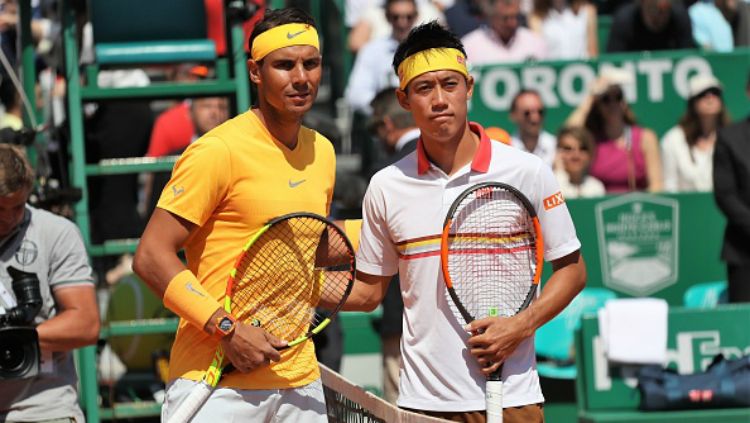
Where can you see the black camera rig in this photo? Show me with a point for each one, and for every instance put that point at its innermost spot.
(19, 344)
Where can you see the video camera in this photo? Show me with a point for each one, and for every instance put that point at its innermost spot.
(19, 344)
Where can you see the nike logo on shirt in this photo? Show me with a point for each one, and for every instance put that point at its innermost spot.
(177, 190)
(290, 35)
(293, 184)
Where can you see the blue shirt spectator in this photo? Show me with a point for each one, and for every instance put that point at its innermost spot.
(710, 29)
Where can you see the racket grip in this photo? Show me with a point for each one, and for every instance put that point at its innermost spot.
(494, 401)
(190, 405)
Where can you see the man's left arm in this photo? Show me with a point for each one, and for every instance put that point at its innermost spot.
(76, 323)
(76, 320)
(495, 339)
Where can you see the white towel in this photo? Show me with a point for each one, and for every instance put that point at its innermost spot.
(634, 330)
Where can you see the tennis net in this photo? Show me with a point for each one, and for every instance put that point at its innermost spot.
(349, 403)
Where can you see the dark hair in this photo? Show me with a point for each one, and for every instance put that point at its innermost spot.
(425, 37)
(521, 93)
(9, 96)
(595, 122)
(690, 121)
(274, 18)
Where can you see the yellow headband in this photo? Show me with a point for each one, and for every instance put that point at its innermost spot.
(430, 60)
(293, 34)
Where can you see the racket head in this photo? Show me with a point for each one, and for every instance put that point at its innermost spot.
(491, 252)
(283, 272)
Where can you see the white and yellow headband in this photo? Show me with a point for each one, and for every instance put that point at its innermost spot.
(430, 60)
(292, 34)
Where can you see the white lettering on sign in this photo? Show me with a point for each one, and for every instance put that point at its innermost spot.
(654, 71)
(488, 88)
(542, 78)
(569, 84)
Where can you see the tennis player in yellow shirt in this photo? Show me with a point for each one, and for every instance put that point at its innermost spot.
(226, 185)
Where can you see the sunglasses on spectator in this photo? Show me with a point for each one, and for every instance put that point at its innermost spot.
(404, 16)
(716, 92)
(527, 113)
(615, 97)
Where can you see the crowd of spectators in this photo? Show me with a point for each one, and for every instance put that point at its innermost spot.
(622, 155)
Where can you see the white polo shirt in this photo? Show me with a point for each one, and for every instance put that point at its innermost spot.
(403, 213)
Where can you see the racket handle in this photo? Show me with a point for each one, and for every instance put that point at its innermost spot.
(494, 401)
(190, 405)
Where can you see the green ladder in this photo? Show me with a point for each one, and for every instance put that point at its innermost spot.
(113, 48)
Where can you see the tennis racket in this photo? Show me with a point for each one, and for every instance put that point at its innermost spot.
(491, 256)
(288, 268)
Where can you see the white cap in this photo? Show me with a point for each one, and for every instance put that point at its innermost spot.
(700, 83)
(611, 77)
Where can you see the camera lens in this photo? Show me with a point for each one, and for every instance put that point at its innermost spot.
(12, 357)
(19, 353)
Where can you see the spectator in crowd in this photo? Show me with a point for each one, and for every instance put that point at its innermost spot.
(375, 23)
(465, 16)
(569, 28)
(627, 156)
(651, 25)
(575, 146)
(737, 13)
(732, 193)
(527, 112)
(173, 128)
(710, 29)
(688, 148)
(51, 248)
(372, 72)
(503, 40)
(393, 126)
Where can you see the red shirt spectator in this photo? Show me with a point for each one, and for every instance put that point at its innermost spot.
(173, 131)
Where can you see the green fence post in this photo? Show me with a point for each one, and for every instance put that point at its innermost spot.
(87, 355)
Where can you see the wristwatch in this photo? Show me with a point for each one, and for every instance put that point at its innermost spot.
(225, 326)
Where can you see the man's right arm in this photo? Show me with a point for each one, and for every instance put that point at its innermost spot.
(157, 263)
(156, 260)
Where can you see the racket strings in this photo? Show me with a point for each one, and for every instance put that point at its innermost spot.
(491, 256)
(283, 275)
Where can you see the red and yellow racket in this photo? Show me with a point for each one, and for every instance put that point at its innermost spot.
(292, 265)
(491, 256)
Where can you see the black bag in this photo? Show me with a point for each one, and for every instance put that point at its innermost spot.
(724, 384)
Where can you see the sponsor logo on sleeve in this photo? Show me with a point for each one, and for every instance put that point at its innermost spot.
(553, 201)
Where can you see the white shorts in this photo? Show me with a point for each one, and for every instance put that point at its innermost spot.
(303, 404)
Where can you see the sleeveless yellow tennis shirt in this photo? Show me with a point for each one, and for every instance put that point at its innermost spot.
(229, 183)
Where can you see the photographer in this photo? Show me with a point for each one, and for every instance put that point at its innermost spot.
(50, 249)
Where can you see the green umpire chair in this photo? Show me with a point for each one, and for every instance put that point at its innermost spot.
(126, 34)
